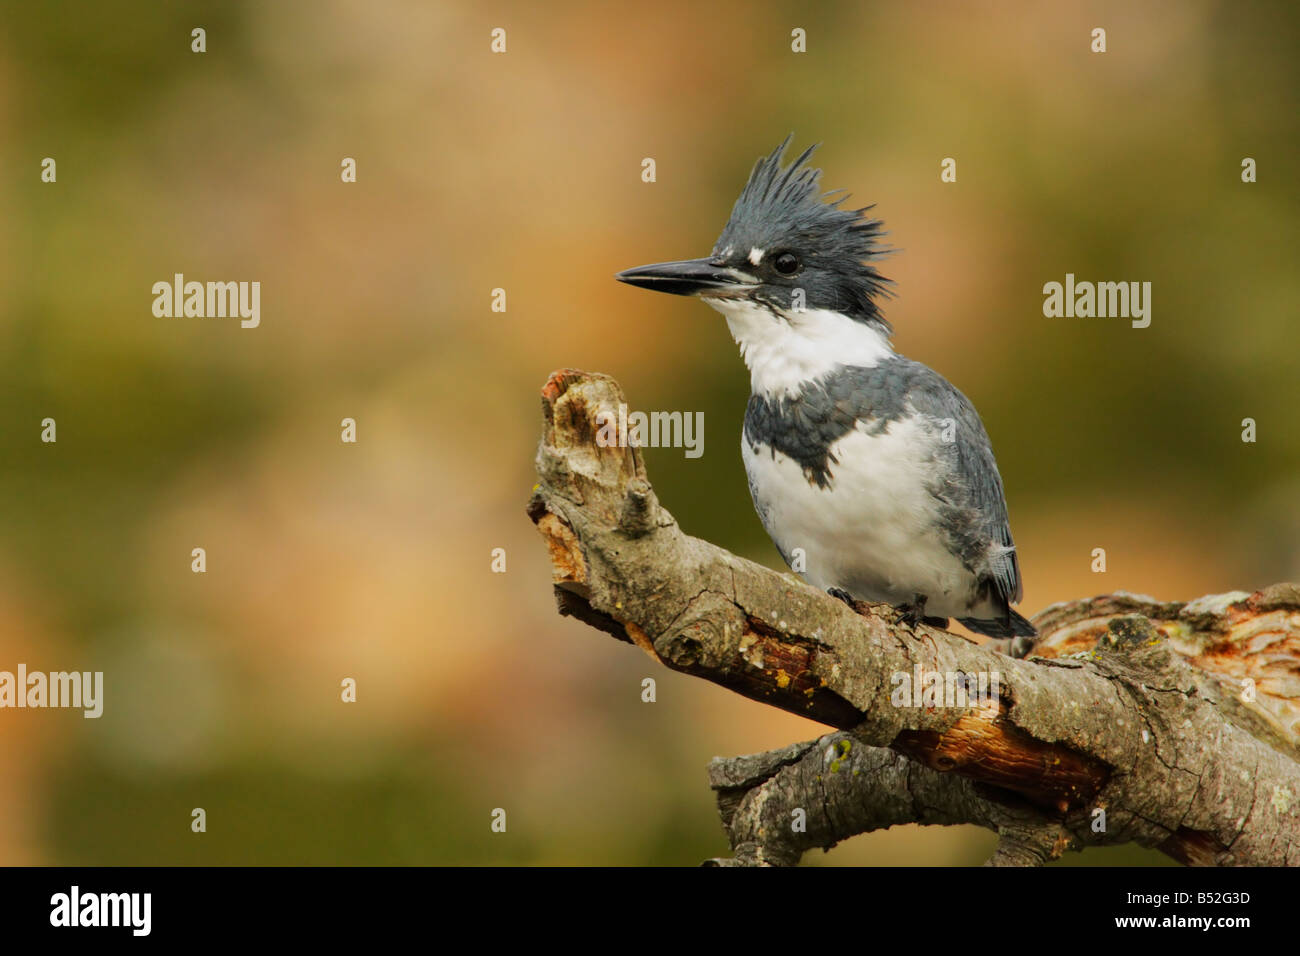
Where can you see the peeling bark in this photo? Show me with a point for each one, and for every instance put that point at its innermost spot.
(1127, 710)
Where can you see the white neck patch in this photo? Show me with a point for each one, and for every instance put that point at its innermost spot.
(782, 353)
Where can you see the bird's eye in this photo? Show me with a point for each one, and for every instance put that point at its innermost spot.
(787, 263)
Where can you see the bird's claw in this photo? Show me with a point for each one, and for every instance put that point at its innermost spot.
(841, 594)
(914, 614)
(858, 607)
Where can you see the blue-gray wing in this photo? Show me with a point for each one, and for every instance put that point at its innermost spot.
(975, 506)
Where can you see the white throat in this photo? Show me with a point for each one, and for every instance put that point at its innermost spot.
(784, 351)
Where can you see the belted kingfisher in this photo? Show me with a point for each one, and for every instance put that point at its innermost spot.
(872, 474)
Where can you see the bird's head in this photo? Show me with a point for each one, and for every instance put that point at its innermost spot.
(788, 247)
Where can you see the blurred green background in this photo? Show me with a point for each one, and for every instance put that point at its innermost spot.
(522, 171)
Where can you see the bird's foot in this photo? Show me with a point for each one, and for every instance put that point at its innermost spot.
(858, 607)
(914, 614)
(841, 594)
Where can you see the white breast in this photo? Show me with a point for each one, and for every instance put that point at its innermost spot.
(874, 532)
(783, 351)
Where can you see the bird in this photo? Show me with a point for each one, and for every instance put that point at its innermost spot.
(872, 474)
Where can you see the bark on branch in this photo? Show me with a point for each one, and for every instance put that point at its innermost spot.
(1167, 724)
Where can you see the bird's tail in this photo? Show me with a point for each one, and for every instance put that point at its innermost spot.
(1014, 626)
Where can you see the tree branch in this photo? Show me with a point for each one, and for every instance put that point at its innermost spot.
(1144, 738)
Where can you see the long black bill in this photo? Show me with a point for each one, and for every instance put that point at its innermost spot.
(689, 277)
